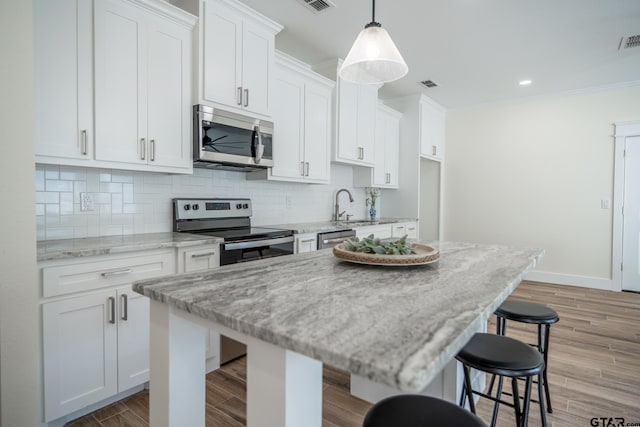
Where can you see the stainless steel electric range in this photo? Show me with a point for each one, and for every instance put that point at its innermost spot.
(230, 219)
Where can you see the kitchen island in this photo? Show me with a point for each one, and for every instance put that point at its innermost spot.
(395, 326)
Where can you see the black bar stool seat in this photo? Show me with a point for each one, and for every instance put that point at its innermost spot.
(532, 313)
(415, 410)
(527, 312)
(506, 357)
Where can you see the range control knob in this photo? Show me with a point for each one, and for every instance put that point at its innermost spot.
(239, 206)
(245, 206)
(187, 207)
(195, 207)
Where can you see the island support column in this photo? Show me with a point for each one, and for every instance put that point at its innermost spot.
(177, 363)
(284, 388)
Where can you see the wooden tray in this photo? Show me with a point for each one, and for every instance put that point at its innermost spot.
(424, 255)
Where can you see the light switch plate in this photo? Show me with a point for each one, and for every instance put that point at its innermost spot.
(605, 204)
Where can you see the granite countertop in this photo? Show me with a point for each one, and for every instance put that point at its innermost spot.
(91, 246)
(319, 226)
(394, 325)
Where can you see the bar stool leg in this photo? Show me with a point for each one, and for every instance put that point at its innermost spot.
(527, 401)
(467, 382)
(496, 405)
(516, 400)
(543, 414)
(544, 371)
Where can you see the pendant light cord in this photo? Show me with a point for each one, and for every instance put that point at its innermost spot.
(373, 22)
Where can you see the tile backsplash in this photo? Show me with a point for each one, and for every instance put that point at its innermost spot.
(126, 202)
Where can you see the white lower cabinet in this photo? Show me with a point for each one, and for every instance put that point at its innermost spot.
(307, 242)
(202, 258)
(387, 231)
(95, 328)
(382, 231)
(95, 346)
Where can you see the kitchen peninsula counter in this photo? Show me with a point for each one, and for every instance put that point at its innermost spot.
(398, 326)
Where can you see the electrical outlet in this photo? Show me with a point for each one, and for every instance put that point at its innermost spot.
(86, 202)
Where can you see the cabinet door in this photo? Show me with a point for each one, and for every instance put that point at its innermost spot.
(367, 108)
(432, 131)
(411, 229)
(222, 45)
(398, 230)
(79, 352)
(133, 338)
(391, 151)
(306, 243)
(168, 86)
(201, 258)
(379, 170)
(317, 132)
(63, 77)
(257, 65)
(347, 137)
(120, 88)
(288, 119)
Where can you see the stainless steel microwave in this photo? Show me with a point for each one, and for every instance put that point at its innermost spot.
(230, 141)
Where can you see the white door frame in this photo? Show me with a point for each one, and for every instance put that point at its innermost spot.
(622, 131)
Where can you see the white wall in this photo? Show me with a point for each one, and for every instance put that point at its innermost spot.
(19, 315)
(135, 202)
(533, 173)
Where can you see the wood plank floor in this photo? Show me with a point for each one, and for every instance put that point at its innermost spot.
(594, 370)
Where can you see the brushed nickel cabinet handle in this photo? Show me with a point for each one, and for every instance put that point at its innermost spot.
(246, 97)
(116, 272)
(202, 255)
(307, 240)
(143, 149)
(301, 168)
(125, 307)
(434, 150)
(307, 165)
(239, 96)
(153, 150)
(84, 141)
(112, 310)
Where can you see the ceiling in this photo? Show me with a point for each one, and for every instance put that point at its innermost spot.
(476, 50)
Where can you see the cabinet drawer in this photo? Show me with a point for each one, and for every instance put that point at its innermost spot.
(85, 276)
(202, 258)
(398, 230)
(412, 231)
(379, 231)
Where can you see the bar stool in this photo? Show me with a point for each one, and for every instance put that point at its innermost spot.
(537, 314)
(505, 357)
(416, 410)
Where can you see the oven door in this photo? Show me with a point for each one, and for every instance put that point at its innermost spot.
(235, 252)
(231, 139)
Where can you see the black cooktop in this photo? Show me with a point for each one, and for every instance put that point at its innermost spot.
(246, 233)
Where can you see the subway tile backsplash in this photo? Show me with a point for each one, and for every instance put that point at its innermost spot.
(138, 202)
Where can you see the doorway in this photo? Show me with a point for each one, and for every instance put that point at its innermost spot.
(626, 230)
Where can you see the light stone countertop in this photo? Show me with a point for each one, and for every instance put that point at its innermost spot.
(320, 226)
(92, 246)
(394, 325)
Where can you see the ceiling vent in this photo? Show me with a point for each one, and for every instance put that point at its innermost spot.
(318, 6)
(629, 42)
(429, 83)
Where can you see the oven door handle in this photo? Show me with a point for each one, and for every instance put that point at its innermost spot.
(256, 243)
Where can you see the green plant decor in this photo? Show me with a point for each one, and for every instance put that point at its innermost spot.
(373, 245)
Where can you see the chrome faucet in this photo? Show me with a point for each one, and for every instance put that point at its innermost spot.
(337, 215)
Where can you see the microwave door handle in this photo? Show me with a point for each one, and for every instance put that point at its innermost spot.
(259, 151)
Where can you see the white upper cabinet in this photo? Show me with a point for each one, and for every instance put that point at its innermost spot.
(63, 80)
(432, 130)
(237, 57)
(302, 114)
(387, 145)
(113, 84)
(142, 87)
(355, 127)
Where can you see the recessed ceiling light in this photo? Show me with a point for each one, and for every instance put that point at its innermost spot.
(525, 82)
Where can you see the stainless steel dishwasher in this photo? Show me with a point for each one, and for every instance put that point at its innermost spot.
(329, 239)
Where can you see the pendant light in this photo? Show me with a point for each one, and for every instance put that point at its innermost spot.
(373, 58)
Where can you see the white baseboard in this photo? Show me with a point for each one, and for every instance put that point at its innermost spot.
(572, 280)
